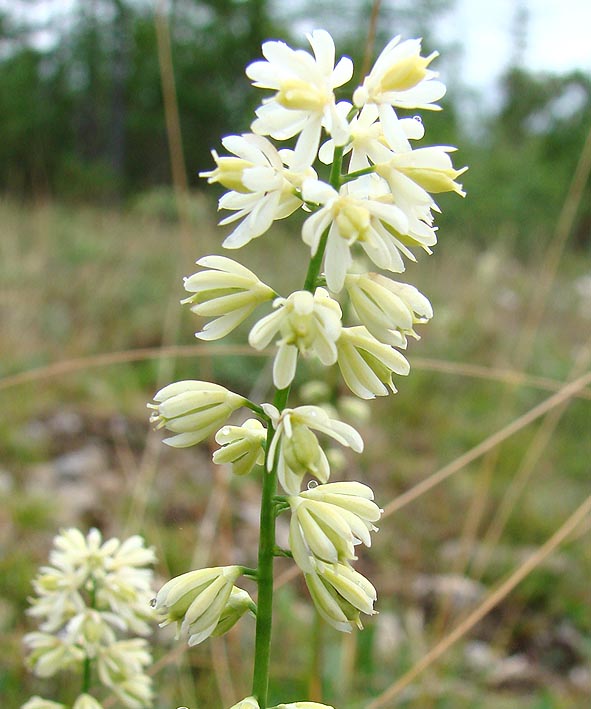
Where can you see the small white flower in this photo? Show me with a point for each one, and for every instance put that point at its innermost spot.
(197, 600)
(304, 100)
(248, 703)
(192, 410)
(295, 448)
(86, 701)
(388, 309)
(352, 217)
(340, 594)
(429, 170)
(37, 702)
(328, 521)
(134, 691)
(49, 654)
(367, 365)
(263, 183)
(227, 291)
(367, 142)
(400, 78)
(121, 667)
(242, 446)
(309, 324)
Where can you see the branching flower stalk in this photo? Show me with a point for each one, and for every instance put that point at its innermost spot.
(376, 206)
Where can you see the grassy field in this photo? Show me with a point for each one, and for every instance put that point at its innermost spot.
(91, 327)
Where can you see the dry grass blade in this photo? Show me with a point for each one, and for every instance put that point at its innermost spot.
(567, 392)
(492, 600)
(526, 469)
(462, 369)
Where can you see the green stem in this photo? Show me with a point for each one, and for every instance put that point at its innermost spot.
(267, 547)
(262, 652)
(316, 260)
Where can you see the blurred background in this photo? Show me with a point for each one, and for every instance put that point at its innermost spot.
(108, 111)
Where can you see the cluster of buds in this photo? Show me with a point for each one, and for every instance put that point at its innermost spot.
(91, 596)
(377, 206)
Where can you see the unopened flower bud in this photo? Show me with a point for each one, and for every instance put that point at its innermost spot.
(328, 521)
(86, 701)
(192, 410)
(248, 703)
(340, 594)
(242, 446)
(37, 702)
(387, 309)
(367, 365)
(228, 292)
(196, 600)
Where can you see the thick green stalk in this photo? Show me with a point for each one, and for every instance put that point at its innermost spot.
(262, 652)
(267, 549)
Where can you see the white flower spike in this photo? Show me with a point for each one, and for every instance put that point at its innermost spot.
(304, 101)
(227, 291)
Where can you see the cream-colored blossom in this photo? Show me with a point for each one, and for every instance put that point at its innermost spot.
(367, 141)
(242, 446)
(428, 169)
(197, 600)
(387, 308)
(263, 183)
(121, 667)
(309, 324)
(227, 291)
(352, 216)
(49, 654)
(94, 590)
(237, 605)
(400, 78)
(134, 691)
(304, 101)
(86, 701)
(123, 658)
(38, 702)
(367, 365)
(327, 522)
(340, 594)
(192, 410)
(296, 450)
(248, 703)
